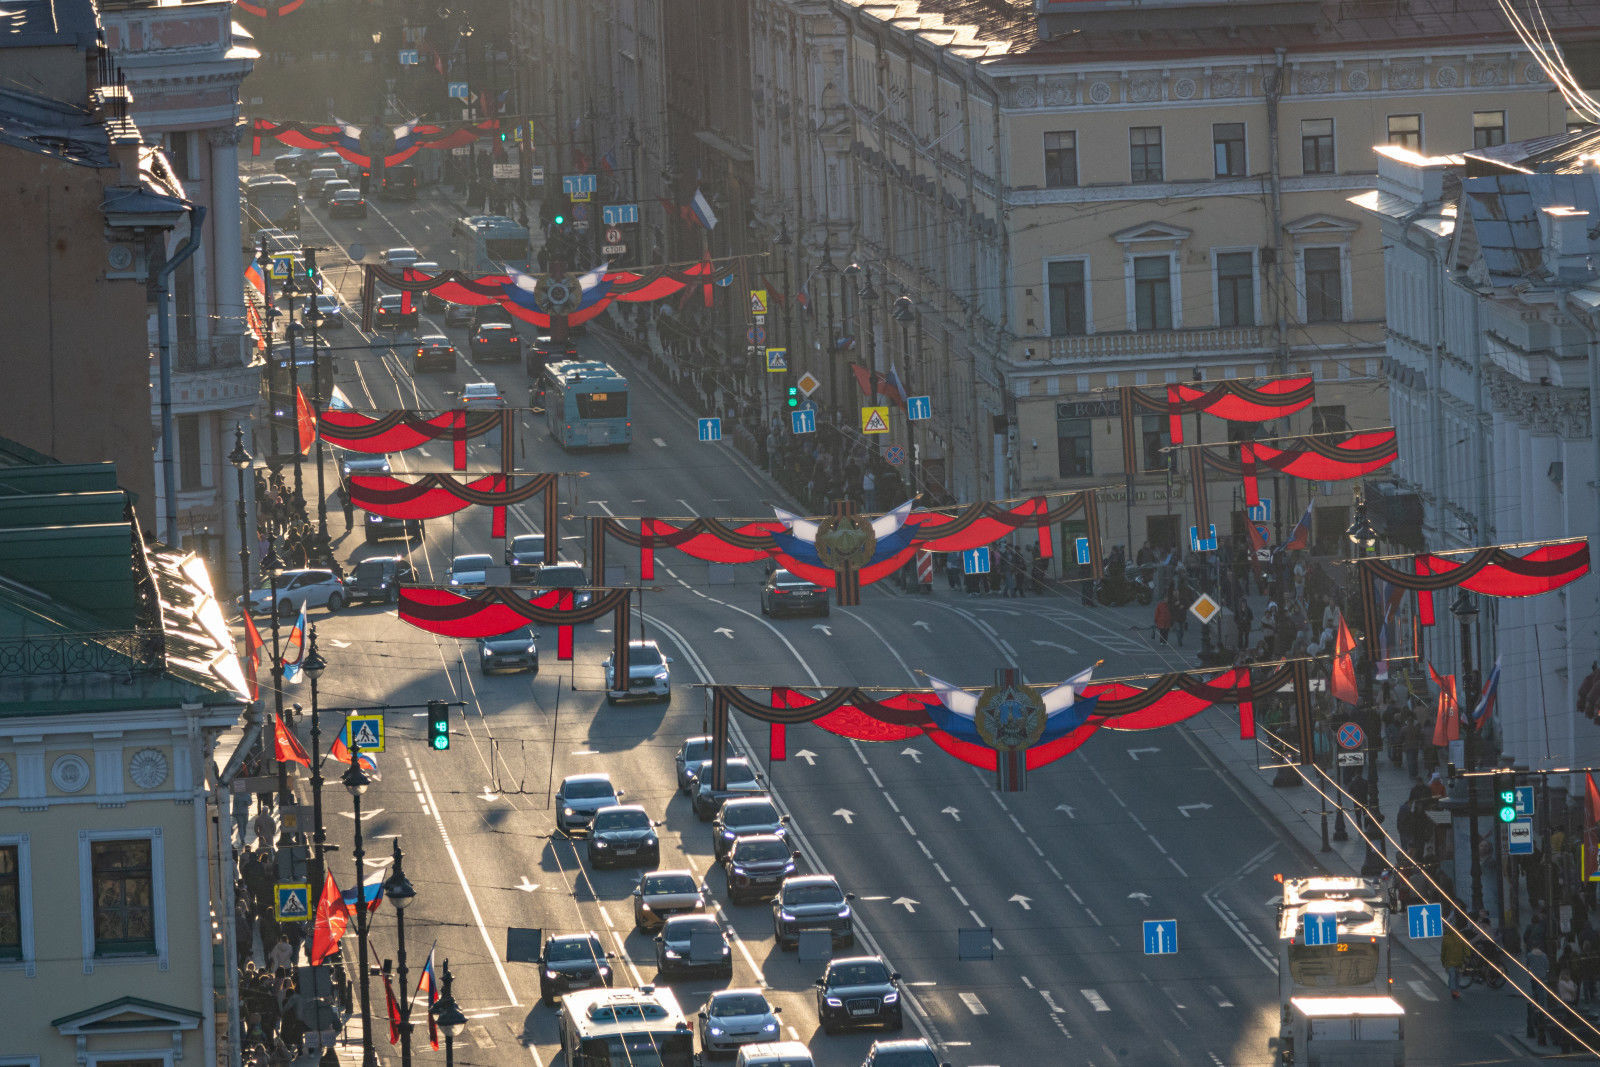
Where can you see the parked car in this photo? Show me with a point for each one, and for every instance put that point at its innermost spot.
(746, 817)
(755, 867)
(497, 342)
(434, 352)
(859, 991)
(784, 593)
(623, 833)
(396, 258)
(311, 587)
(580, 796)
(663, 893)
(739, 779)
(691, 756)
(378, 578)
(515, 651)
(470, 571)
(572, 961)
(691, 943)
(390, 313)
(734, 1017)
(347, 204)
(812, 902)
(375, 528)
(649, 674)
(524, 554)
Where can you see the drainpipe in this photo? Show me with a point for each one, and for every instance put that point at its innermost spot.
(1280, 324)
(169, 431)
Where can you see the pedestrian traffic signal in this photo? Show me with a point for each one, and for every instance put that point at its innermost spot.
(438, 725)
(1507, 790)
(559, 220)
(794, 396)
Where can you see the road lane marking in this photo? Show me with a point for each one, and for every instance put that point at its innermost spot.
(1421, 990)
(1089, 912)
(940, 871)
(974, 1005)
(1176, 864)
(659, 443)
(1156, 843)
(959, 897)
(1050, 1002)
(874, 776)
(907, 824)
(892, 805)
(1025, 981)
(925, 850)
(1096, 1000)
(1222, 998)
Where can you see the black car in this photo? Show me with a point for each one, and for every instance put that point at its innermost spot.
(903, 1052)
(524, 555)
(623, 833)
(515, 651)
(746, 817)
(383, 528)
(496, 342)
(434, 352)
(691, 756)
(757, 866)
(859, 991)
(572, 961)
(544, 349)
(691, 943)
(390, 313)
(812, 902)
(784, 593)
(347, 203)
(378, 578)
(739, 779)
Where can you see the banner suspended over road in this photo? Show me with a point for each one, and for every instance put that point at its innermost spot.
(398, 431)
(360, 144)
(434, 495)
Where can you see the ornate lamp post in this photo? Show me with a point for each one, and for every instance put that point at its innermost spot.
(1363, 542)
(869, 307)
(448, 1016)
(1466, 613)
(272, 565)
(904, 312)
(829, 270)
(356, 781)
(398, 890)
(241, 461)
(314, 665)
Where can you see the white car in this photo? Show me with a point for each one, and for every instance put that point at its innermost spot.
(309, 588)
(734, 1017)
(649, 674)
(400, 257)
(470, 571)
(478, 395)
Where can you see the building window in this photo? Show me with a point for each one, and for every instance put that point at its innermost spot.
(1406, 131)
(1324, 285)
(1061, 159)
(1236, 289)
(1488, 128)
(1316, 146)
(1073, 448)
(1227, 148)
(1069, 315)
(10, 902)
(1152, 292)
(189, 475)
(124, 905)
(1153, 438)
(1144, 153)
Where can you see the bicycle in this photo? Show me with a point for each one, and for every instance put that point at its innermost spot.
(1477, 969)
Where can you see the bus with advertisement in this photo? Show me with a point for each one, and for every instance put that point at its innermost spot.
(642, 1027)
(491, 243)
(586, 404)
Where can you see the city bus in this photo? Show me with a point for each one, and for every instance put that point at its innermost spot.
(271, 201)
(586, 404)
(490, 243)
(641, 1027)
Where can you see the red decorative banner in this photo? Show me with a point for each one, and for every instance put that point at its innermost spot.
(1234, 400)
(433, 495)
(399, 431)
(399, 143)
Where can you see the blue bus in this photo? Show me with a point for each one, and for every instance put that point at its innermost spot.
(490, 243)
(586, 405)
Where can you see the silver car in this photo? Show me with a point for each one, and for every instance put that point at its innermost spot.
(738, 780)
(469, 572)
(308, 588)
(580, 796)
(649, 674)
(734, 1017)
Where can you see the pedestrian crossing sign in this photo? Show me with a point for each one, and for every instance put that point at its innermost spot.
(875, 420)
(293, 901)
(366, 733)
(777, 359)
(758, 301)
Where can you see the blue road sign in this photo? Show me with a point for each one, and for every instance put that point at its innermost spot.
(1083, 550)
(293, 901)
(1160, 937)
(804, 420)
(619, 214)
(1203, 544)
(756, 335)
(580, 184)
(409, 57)
(1262, 512)
(1321, 930)
(1519, 838)
(457, 90)
(1424, 920)
(1351, 736)
(919, 408)
(724, 281)
(975, 560)
(710, 429)
(1524, 802)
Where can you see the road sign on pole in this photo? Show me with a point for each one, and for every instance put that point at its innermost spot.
(1160, 937)
(366, 733)
(975, 560)
(1519, 838)
(803, 420)
(619, 214)
(575, 185)
(1262, 512)
(293, 901)
(457, 90)
(1523, 804)
(875, 419)
(710, 429)
(1424, 920)
(1083, 550)
(1351, 736)
(894, 455)
(808, 383)
(758, 301)
(919, 408)
(777, 360)
(1207, 543)
(1321, 929)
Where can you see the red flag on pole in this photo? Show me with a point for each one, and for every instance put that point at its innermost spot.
(1447, 722)
(305, 420)
(285, 745)
(332, 918)
(1343, 681)
(394, 1011)
(253, 647)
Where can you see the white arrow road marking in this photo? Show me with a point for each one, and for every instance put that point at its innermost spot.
(913, 753)
(806, 754)
(1133, 753)
(336, 643)
(1187, 808)
(974, 1005)
(659, 443)
(526, 886)
(1095, 1000)
(919, 624)
(954, 813)
(371, 813)
(1056, 644)
(724, 631)
(827, 631)
(847, 815)
(1143, 898)
(1063, 807)
(487, 796)
(1421, 990)
(1050, 1002)
(1018, 898)
(907, 903)
(1222, 998)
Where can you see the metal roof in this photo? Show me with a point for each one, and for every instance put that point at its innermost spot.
(1502, 215)
(42, 23)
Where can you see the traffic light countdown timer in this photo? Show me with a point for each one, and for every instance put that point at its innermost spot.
(1506, 789)
(438, 725)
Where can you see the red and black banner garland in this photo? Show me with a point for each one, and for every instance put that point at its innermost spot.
(1317, 458)
(496, 611)
(350, 141)
(399, 431)
(433, 495)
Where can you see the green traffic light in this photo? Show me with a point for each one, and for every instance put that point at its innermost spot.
(1508, 813)
(561, 220)
(794, 397)
(438, 725)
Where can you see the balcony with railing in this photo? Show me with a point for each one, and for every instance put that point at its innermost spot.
(210, 375)
(1221, 341)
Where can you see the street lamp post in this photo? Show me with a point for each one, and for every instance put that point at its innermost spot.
(269, 313)
(398, 890)
(905, 313)
(1466, 612)
(785, 243)
(828, 269)
(869, 307)
(241, 461)
(1363, 542)
(314, 313)
(448, 1016)
(356, 781)
(314, 665)
(272, 564)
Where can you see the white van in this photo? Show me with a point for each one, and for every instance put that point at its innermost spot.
(775, 1054)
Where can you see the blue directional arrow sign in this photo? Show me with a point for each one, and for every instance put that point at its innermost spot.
(1262, 512)
(1083, 550)
(919, 408)
(1160, 937)
(579, 184)
(803, 420)
(619, 214)
(1524, 802)
(1424, 920)
(975, 560)
(457, 90)
(1321, 930)
(1207, 543)
(710, 429)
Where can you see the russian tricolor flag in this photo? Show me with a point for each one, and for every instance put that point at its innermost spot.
(371, 890)
(702, 210)
(349, 136)
(1491, 690)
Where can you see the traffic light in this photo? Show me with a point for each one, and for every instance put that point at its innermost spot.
(559, 220)
(1506, 791)
(438, 725)
(794, 396)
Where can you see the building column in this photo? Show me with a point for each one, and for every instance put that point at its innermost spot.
(228, 270)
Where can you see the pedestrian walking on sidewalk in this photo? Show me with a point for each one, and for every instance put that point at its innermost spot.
(1452, 955)
(1411, 746)
(1163, 619)
(1532, 982)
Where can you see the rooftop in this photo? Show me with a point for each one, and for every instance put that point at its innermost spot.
(46, 23)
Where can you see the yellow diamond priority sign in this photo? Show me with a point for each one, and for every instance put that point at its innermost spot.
(875, 420)
(808, 383)
(1205, 608)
